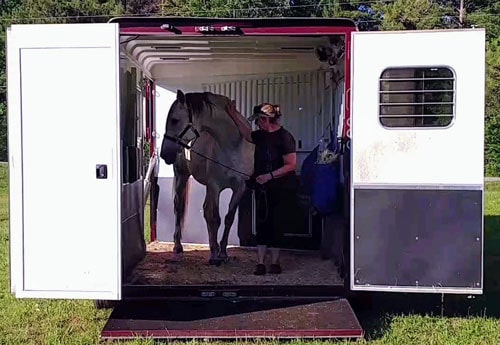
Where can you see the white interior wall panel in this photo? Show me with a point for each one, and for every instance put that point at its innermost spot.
(338, 107)
(305, 98)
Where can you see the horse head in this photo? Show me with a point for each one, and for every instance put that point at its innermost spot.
(180, 132)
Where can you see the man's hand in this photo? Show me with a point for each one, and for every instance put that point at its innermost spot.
(240, 121)
(231, 109)
(261, 179)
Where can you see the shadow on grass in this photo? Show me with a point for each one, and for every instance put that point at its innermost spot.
(375, 310)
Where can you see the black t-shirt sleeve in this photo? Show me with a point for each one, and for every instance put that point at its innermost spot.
(288, 143)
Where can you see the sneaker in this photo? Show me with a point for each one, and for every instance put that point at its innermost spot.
(275, 269)
(260, 270)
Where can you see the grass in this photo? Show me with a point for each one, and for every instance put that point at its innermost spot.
(391, 319)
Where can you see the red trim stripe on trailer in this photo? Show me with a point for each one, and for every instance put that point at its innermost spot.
(152, 197)
(346, 129)
(263, 31)
(147, 112)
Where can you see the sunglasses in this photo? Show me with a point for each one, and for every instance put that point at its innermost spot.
(259, 118)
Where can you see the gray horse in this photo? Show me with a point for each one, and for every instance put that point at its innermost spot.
(199, 122)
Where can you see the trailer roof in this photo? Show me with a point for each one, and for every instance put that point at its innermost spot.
(147, 21)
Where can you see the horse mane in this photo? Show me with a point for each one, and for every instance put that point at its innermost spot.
(198, 100)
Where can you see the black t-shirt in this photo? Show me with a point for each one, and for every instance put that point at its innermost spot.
(270, 148)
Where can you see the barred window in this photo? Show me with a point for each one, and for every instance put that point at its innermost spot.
(417, 97)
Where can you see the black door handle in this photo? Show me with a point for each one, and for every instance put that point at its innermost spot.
(101, 171)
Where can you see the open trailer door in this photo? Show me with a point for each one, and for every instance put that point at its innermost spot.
(417, 161)
(63, 122)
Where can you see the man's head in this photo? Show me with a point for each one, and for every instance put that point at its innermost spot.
(266, 111)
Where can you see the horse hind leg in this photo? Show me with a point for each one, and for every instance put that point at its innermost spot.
(212, 218)
(238, 192)
(180, 184)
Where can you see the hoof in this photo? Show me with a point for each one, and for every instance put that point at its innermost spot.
(176, 257)
(341, 271)
(178, 249)
(214, 262)
(223, 257)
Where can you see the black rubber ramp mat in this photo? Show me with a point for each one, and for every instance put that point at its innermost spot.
(232, 320)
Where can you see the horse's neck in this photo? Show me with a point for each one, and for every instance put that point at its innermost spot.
(220, 125)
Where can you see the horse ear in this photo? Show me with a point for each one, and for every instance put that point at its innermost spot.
(180, 97)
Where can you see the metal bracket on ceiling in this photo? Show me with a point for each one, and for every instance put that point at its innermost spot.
(171, 28)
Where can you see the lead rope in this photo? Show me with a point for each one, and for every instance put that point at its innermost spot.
(262, 191)
(219, 163)
(262, 195)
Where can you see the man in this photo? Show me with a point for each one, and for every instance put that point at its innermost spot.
(275, 161)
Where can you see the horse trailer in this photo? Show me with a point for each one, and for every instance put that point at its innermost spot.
(394, 107)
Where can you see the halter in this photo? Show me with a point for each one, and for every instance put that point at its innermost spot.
(186, 143)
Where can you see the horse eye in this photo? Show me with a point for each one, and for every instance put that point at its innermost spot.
(174, 121)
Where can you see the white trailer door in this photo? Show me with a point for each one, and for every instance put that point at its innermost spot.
(417, 161)
(63, 120)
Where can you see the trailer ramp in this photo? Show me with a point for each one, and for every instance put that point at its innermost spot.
(229, 319)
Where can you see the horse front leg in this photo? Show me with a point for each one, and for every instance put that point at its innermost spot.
(238, 192)
(179, 209)
(212, 218)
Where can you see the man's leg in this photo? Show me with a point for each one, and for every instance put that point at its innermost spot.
(263, 232)
(278, 212)
(261, 253)
(275, 256)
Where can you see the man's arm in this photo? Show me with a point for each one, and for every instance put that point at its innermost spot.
(290, 161)
(240, 121)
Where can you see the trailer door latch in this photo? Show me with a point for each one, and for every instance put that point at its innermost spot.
(101, 171)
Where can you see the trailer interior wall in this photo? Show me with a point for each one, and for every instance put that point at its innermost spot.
(131, 139)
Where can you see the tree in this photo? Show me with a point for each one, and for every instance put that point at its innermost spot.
(413, 15)
(3, 133)
(492, 131)
(5, 11)
(488, 18)
(369, 15)
(143, 7)
(366, 16)
(74, 11)
(45, 11)
(240, 8)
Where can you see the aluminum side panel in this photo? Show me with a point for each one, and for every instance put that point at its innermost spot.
(412, 239)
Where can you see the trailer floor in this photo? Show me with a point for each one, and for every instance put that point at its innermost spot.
(162, 267)
(207, 320)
